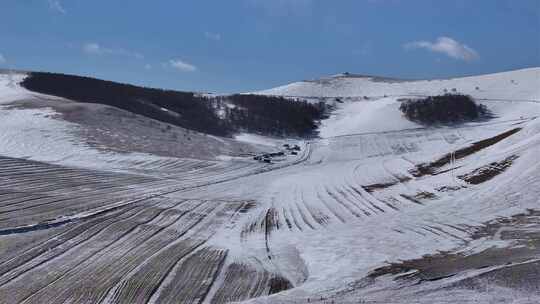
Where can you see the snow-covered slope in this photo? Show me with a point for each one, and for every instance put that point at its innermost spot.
(368, 104)
(516, 85)
(55, 130)
(10, 89)
(378, 210)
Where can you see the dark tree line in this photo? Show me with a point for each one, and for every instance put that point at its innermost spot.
(444, 109)
(186, 109)
(272, 115)
(222, 116)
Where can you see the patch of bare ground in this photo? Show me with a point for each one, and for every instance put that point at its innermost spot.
(419, 197)
(513, 265)
(432, 168)
(246, 207)
(244, 282)
(448, 188)
(379, 186)
(425, 195)
(524, 277)
(279, 284)
(487, 172)
(531, 219)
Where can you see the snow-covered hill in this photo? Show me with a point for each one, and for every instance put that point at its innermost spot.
(377, 210)
(368, 104)
(516, 85)
(55, 130)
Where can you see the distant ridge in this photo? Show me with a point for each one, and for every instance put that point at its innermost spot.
(495, 85)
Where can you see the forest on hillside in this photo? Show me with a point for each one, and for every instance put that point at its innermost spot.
(221, 116)
(444, 109)
(272, 115)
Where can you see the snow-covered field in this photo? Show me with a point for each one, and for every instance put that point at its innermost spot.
(355, 217)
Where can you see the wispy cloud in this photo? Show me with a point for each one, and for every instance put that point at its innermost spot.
(2, 59)
(447, 46)
(181, 65)
(212, 36)
(93, 48)
(282, 7)
(57, 6)
(147, 66)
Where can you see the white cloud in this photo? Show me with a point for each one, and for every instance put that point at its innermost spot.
(182, 65)
(57, 6)
(148, 66)
(2, 59)
(212, 36)
(447, 46)
(93, 48)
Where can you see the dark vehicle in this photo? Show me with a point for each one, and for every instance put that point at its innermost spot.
(296, 148)
(294, 153)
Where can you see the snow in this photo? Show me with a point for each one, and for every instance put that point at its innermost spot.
(256, 139)
(515, 85)
(368, 141)
(509, 95)
(342, 253)
(35, 134)
(365, 116)
(10, 89)
(332, 232)
(40, 135)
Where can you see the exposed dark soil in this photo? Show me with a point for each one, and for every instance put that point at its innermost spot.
(523, 277)
(432, 167)
(425, 195)
(379, 186)
(373, 187)
(412, 198)
(247, 206)
(531, 217)
(448, 188)
(485, 173)
(522, 229)
(279, 284)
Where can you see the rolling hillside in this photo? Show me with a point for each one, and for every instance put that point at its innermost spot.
(377, 209)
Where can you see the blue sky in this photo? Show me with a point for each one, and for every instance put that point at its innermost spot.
(243, 45)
